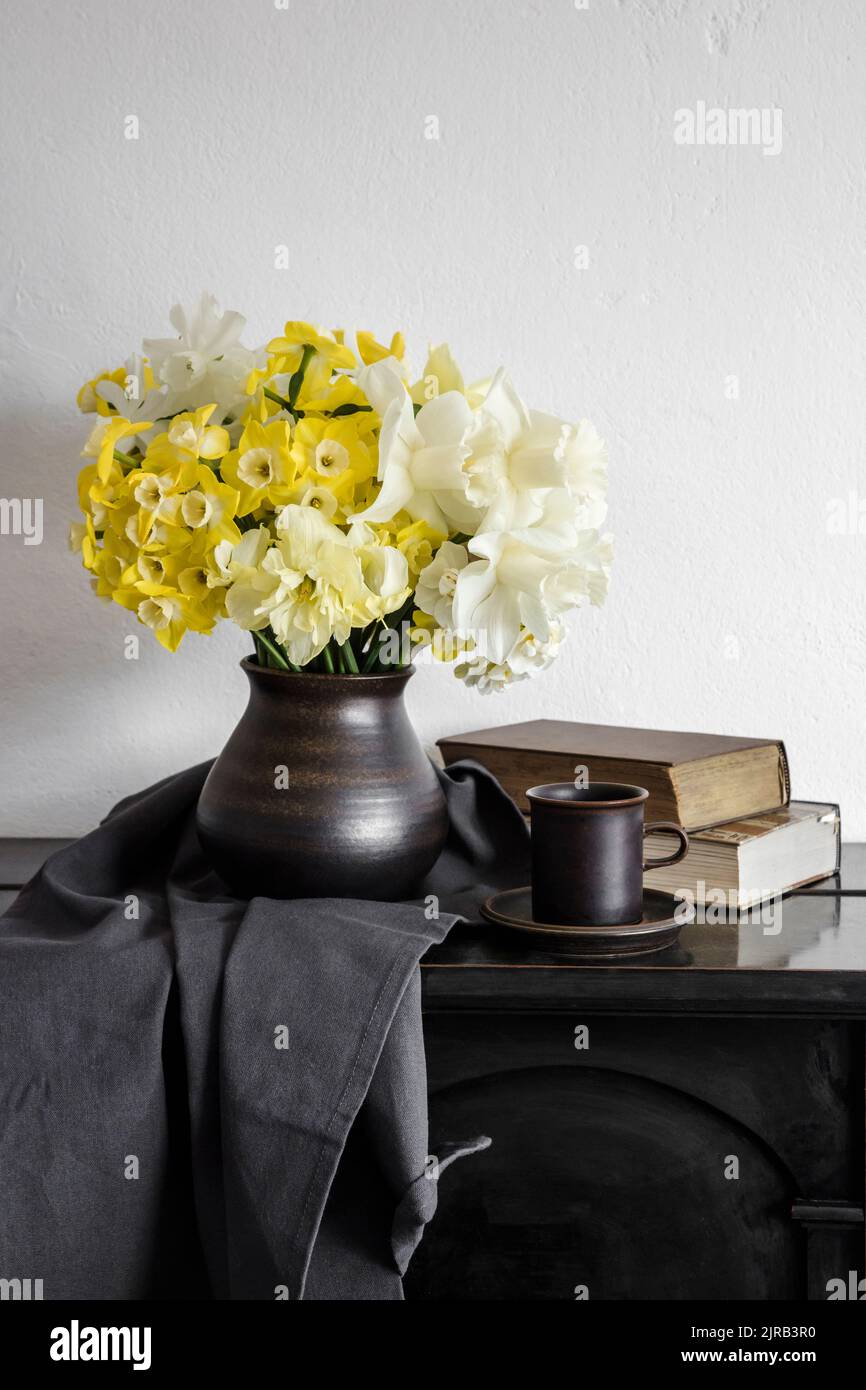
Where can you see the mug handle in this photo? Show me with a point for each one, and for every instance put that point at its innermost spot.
(672, 829)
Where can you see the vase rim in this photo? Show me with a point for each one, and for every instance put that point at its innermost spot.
(248, 665)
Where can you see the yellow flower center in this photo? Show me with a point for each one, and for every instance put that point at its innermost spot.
(156, 613)
(448, 583)
(321, 498)
(196, 509)
(183, 435)
(331, 457)
(150, 491)
(419, 555)
(193, 582)
(255, 468)
(151, 568)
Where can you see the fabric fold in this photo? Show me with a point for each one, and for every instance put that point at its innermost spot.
(208, 1098)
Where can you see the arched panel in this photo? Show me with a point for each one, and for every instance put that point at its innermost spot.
(607, 1180)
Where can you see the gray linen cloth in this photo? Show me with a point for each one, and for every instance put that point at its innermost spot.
(209, 1098)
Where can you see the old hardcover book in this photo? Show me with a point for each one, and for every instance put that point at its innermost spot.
(695, 779)
(746, 862)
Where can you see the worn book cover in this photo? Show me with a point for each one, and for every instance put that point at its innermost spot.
(696, 779)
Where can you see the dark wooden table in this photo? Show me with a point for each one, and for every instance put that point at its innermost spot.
(683, 1125)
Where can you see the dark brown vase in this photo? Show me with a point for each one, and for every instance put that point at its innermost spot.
(323, 790)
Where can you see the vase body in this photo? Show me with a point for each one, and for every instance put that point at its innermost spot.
(323, 790)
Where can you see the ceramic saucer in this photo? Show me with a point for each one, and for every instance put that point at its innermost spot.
(663, 916)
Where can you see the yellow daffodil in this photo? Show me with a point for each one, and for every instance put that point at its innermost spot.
(104, 439)
(260, 375)
(185, 572)
(296, 336)
(166, 611)
(326, 448)
(89, 402)
(82, 540)
(209, 508)
(261, 469)
(156, 496)
(163, 564)
(331, 454)
(320, 496)
(309, 492)
(146, 532)
(342, 398)
(418, 542)
(192, 433)
(441, 373)
(371, 351)
(110, 562)
(194, 583)
(286, 395)
(96, 498)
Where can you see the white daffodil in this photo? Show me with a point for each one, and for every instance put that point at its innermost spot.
(527, 575)
(231, 564)
(499, 593)
(436, 584)
(306, 529)
(585, 575)
(527, 657)
(531, 654)
(385, 572)
(485, 676)
(584, 455)
(307, 610)
(518, 454)
(137, 402)
(206, 362)
(382, 382)
(308, 586)
(421, 464)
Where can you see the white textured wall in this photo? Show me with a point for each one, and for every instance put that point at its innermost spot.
(732, 608)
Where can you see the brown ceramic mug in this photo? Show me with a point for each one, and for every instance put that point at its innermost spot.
(587, 853)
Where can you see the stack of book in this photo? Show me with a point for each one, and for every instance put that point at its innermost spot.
(748, 839)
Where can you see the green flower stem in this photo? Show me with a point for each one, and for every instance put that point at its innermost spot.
(347, 657)
(282, 662)
(279, 400)
(373, 654)
(328, 661)
(394, 623)
(127, 459)
(298, 376)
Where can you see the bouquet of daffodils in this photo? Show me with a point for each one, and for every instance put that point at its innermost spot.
(341, 513)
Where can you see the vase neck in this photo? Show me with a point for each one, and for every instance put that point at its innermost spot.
(318, 685)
